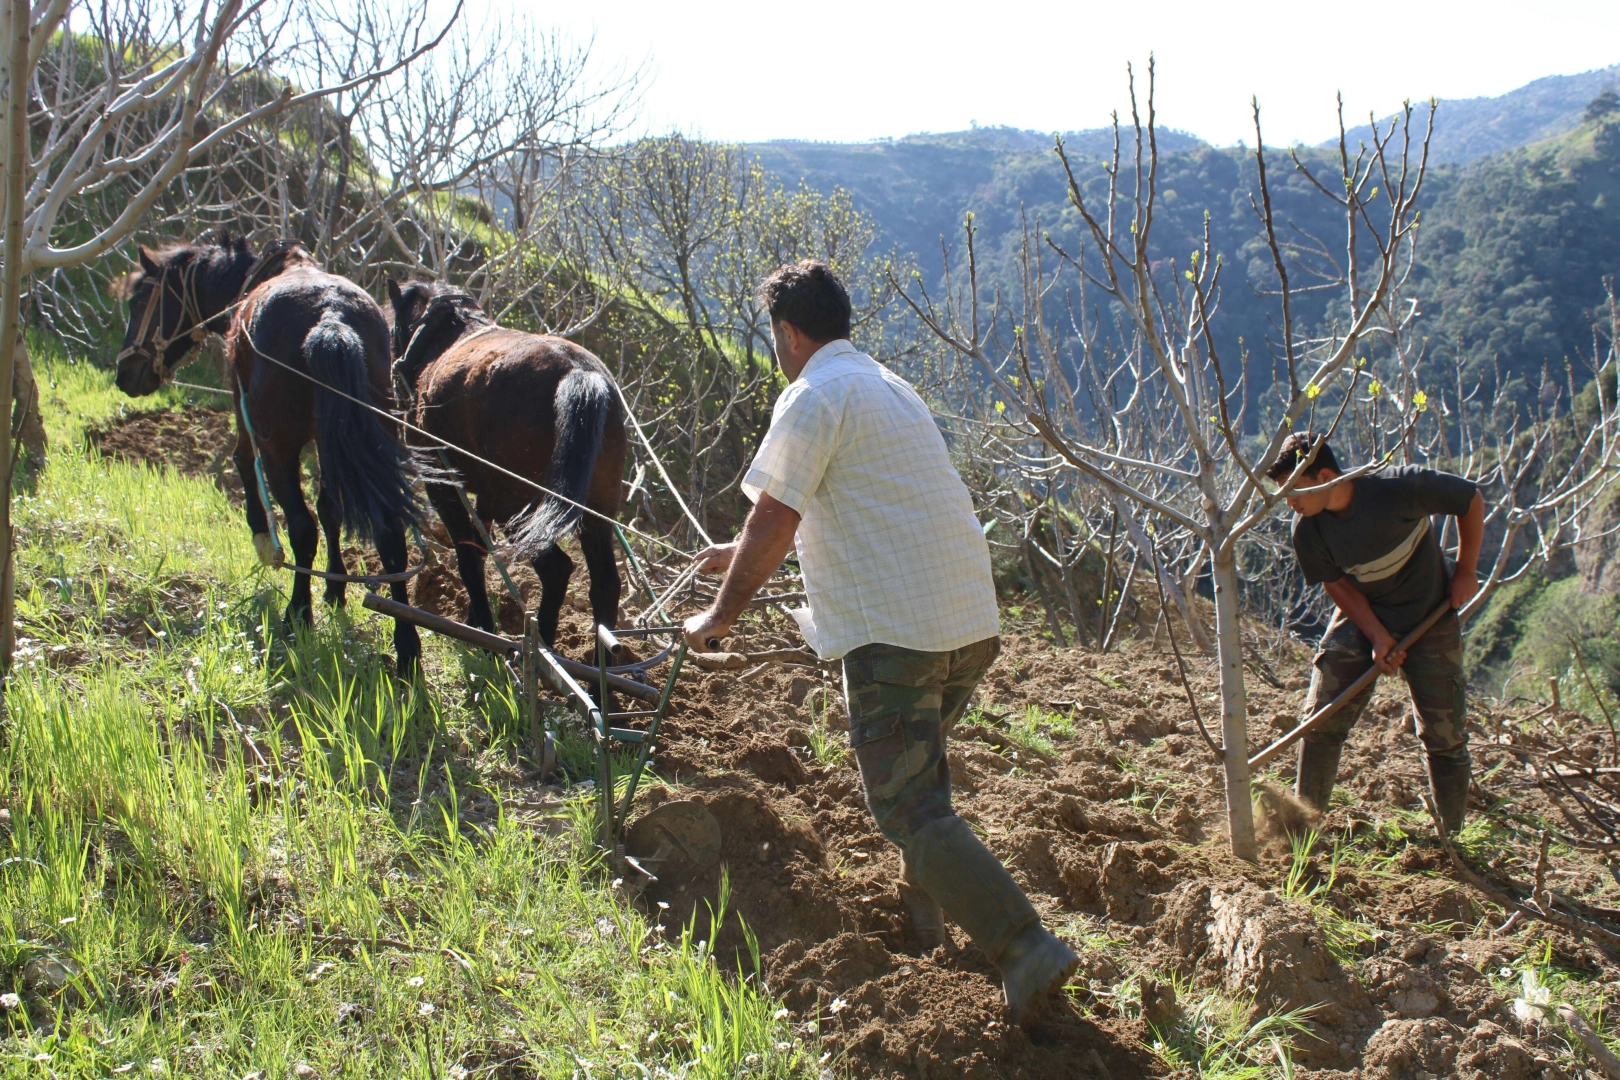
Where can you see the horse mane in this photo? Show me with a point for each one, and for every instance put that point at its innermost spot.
(450, 313)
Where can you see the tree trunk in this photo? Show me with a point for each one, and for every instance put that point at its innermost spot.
(1234, 704)
(27, 424)
(16, 163)
(1144, 547)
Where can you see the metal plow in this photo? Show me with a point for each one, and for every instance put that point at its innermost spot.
(675, 839)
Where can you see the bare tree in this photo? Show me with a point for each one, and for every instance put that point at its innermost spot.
(689, 229)
(1152, 416)
(114, 101)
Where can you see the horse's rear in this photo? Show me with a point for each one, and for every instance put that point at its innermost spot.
(548, 410)
(310, 351)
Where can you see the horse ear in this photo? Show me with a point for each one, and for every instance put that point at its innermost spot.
(147, 262)
(394, 296)
(242, 247)
(122, 287)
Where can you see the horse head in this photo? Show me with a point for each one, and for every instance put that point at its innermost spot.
(428, 318)
(175, 299)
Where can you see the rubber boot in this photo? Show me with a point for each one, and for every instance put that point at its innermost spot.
(927, 917)
(1035, 965)
(1448, 780)
(1318, 769)
(947, 861)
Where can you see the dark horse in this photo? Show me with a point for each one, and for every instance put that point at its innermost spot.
(276, 309)
(540, 406)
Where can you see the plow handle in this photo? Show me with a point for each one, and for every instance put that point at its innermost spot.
(384, 605)
(1347, 695)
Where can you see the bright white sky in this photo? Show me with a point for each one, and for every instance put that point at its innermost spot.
(850, 70)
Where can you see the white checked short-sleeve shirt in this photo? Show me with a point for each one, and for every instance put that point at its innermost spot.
(888, 542)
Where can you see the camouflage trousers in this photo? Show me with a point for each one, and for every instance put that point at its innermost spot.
(1434, 678)
(902, 705)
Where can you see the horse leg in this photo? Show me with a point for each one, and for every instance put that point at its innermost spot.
(469, 552)
(302, 534)
(553, 567)
(326, 508)
(258, 517)
(596, 544)
(407, 644)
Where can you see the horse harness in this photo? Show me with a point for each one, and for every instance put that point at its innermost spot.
(269, 262)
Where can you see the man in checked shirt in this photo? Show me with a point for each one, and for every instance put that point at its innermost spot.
(855, 474)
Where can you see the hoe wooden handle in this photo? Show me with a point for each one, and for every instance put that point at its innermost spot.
(1347, 695)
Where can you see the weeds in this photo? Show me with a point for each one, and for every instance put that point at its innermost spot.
(1218, 1037)
(827, 743)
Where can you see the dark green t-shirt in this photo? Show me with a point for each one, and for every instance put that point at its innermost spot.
(1386, 543)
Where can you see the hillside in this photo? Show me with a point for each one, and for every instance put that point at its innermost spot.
(917, 188)
(1467, 129)
(1511, 262)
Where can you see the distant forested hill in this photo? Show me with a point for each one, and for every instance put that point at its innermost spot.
(1467, 129)
(1513, 251)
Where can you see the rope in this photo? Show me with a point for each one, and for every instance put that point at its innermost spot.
(659, 465)
(199, 386)
(258, 472)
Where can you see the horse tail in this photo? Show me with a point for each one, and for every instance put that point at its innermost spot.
(364, 467)
(583, 402)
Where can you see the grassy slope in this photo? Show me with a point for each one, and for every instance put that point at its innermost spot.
(208, 831)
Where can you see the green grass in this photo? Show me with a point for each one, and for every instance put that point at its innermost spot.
(1034, 727)
(226, 852)
(1216, 1036)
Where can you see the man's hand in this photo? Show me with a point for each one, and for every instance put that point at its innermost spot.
(716, 558)
(1385, 655)
(705, 629)
(1464, 584)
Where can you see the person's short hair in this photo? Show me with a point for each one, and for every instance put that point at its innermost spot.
(810, 296)
(1295, 449)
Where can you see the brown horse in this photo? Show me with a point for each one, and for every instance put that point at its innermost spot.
(540, 406)
(293, 330)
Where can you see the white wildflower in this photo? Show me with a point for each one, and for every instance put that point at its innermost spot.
(779, 1014)
(425, 1009)
(10, 1001)
(838, 1006)
(414, 981)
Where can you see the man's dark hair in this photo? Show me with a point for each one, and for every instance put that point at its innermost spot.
(1296, 448)
(810, 296)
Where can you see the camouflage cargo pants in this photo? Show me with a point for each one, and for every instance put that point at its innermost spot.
(1433, 673)
(902, 704)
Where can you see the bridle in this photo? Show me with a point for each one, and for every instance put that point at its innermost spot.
(154, 344)
(267, 264)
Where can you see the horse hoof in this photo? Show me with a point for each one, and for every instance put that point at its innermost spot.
(269, 552)
(336, 598)
(408, 667)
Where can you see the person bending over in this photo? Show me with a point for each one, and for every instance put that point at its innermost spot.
(855, 474)
(1371, 543)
